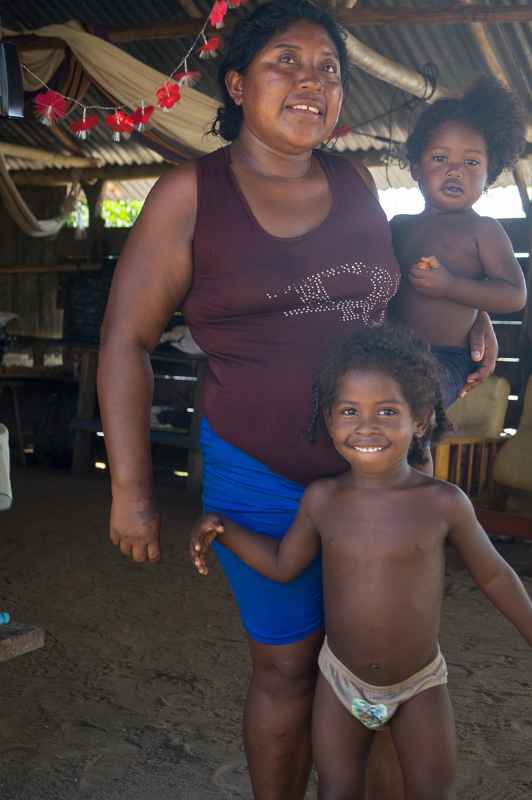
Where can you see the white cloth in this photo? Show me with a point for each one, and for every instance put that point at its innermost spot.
(131, 81)
(21, 213)
(6, 493)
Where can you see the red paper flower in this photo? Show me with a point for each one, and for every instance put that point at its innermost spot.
(168, 95)
(140, 117)
(49, 107)
(83, 126)
(119, 122)
(341, 130)
(187, 78)
(210, 48)
(218, 12)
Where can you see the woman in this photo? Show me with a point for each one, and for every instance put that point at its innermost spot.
(271, 248)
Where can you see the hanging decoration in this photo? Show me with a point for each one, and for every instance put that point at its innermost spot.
(141, 116)
(84, 125)
(187, 77)
(210, 47)
(217, 15)
(120, 123)
(168, 95)
(50, 106)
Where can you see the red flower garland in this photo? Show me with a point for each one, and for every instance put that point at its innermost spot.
(140, 117)
(119, 122)
(168, 95)
(218, 12)
(83, 126)
(210, 47)
(49, 107)
(188, 77)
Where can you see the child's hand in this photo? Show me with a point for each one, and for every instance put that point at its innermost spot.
(429, 276)
(206, 529)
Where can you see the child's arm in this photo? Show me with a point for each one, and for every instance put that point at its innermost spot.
(281, 560)
(489, 570)
(502, 290)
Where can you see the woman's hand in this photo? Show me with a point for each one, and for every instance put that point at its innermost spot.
(135, 528)
(205, 530)
(484, 349)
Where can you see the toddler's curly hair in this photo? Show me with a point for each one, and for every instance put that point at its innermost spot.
(487, 107)
(393, 350)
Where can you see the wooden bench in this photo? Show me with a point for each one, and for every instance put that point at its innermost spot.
(17, 639)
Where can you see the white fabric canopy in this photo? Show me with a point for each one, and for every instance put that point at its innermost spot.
(22, 214)
(131, 81)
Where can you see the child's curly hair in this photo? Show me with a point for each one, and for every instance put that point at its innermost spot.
(487, 107)
(394, 351)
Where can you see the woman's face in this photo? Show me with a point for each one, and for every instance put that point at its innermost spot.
(291, 93)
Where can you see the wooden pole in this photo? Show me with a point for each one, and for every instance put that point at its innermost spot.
(57, 177)
(53, 159)
(494, 65)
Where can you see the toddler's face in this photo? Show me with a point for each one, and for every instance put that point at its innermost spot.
(453, 168)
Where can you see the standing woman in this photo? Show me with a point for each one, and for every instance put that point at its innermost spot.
(272, 249)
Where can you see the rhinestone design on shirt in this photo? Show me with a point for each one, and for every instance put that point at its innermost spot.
(313, 297)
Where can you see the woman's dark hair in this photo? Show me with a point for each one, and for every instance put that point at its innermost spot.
(394, 351)
(488, 108)
(251, 34)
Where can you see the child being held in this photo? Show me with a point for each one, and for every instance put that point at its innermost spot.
(382, 528)
(454, 262)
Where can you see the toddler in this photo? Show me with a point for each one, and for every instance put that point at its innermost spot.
(453, 261)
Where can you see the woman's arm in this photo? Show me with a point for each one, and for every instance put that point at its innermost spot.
(151, 279)
(484, 349)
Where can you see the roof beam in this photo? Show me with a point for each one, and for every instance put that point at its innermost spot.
(49, 157)
(50, 177)
(350, 17)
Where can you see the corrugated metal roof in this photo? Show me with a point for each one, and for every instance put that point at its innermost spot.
(452, 49)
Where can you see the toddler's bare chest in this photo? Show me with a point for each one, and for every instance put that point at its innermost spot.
(454, 245)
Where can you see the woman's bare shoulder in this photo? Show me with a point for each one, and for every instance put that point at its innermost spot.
(171, 204)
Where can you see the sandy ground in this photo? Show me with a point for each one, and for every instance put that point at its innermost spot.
(138, 692)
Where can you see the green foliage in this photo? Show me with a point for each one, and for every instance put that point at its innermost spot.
(115, 213)
(120, 213)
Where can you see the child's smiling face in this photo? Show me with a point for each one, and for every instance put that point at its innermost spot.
(453, 168)
(370, 422)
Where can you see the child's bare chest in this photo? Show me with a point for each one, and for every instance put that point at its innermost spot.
(452, 240)
(376, 535)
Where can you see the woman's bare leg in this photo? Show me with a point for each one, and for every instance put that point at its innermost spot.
(277, 718)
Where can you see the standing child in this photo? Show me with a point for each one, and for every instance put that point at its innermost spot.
(453, 261)
(382, 528)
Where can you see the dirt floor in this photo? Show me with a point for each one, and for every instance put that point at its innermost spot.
(138, 692)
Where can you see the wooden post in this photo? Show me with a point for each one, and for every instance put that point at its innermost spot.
(83, 440)
(93, 193)
(525, 348)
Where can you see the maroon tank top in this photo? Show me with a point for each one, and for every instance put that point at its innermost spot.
(265, 310)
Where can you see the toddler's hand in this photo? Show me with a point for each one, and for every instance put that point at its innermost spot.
(205, 530)
(429, 276)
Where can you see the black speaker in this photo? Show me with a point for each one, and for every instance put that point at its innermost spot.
(11, 89)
